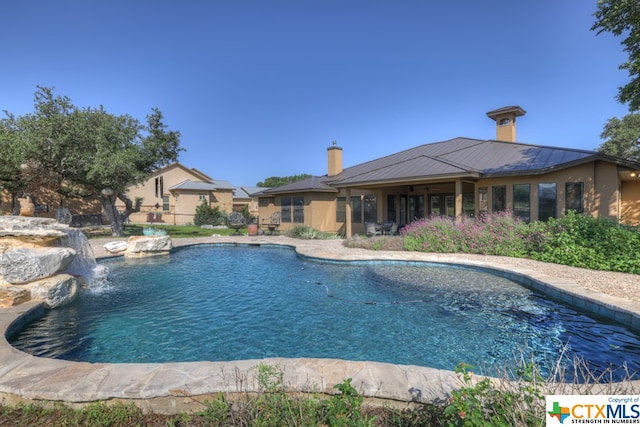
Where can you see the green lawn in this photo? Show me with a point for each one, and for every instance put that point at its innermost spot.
(172, 230)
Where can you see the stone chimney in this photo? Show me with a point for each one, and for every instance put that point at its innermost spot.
(334, 157)
(505, 118)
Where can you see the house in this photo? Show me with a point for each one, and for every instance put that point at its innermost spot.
(50, 204)
(172, 194)
(460, 176)
(243, 197)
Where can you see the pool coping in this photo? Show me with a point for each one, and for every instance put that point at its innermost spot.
(184, 386)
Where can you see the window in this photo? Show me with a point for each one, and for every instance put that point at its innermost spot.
(440, 204)
(263, 201)
(202, 197)
(522, 201)
(483, 200)
(391, 208)
(285, 209)
(165, 203)
(370, 208)
(416, 207)
(298, 209)
(450, 205)
(504, 122)
(356, 209)
(341, 209)
(403, 210)
(434, 205)
(573, 196)
(498, 198)
(467, 204)
(547, 201)
(159, 186)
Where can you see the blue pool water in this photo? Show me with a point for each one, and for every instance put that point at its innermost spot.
(226, 302)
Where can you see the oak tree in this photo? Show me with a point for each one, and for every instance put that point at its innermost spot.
(89, 153)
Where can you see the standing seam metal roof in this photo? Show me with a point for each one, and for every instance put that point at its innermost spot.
(458, 157)
(462, 156)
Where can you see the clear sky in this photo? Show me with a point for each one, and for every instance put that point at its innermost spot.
(261, 88)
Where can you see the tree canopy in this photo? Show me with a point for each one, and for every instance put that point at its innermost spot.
(622, 137)
(83, 152)
(622, 18)
(277, 181)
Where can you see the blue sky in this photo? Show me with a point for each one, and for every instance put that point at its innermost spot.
(262, 88)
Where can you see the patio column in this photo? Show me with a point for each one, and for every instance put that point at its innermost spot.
(458, 201)
(348, 214)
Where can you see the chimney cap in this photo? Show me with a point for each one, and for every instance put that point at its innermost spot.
(334, 146)
(514, 109)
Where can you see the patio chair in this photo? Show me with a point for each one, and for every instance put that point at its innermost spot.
(236, 221)
(272, 223)
(386, 227)
(394, 229)
(371, 229)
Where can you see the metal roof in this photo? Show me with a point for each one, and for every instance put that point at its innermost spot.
(455, 158)
(253, 190)
(202, 186)
(311, 184)
(223, 185)
(463, 157)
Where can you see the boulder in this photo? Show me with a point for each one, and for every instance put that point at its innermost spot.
(13, 295)
(115, 247)
(55, 291)
(24, 265)
(142, 246)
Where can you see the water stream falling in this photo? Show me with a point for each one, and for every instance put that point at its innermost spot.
(84, 264)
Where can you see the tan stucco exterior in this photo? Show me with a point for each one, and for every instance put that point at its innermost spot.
(48, 203)
(630, 202)
(163, 203)
(603, 187)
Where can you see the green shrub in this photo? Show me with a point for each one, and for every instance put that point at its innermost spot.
(574, 239)
(596, 243)
(344, 409)
(483, 403)
(310, 233)
(491, 234)
(206, 215)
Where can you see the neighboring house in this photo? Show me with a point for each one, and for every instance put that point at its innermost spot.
(243, 196)
(461, 176)
(172, 194)
(49, 204)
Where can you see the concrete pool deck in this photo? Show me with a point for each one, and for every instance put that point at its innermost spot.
(175, 387)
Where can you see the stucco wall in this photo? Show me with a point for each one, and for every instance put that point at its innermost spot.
(171, 176)
(630, 203)
(53, 201)
(600, 192)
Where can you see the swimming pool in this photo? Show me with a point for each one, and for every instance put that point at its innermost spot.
(225, 302)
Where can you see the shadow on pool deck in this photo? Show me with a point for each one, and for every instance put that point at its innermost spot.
(175, 387)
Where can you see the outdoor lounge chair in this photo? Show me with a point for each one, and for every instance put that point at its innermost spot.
(394, 229)
(236, 221)
(372, 229)
(272, 223)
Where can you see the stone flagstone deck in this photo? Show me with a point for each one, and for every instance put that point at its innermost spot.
(174, 387)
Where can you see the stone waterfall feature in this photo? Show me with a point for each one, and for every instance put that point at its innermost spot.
(41, 259)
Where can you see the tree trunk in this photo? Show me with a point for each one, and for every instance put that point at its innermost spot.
(116, 219)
